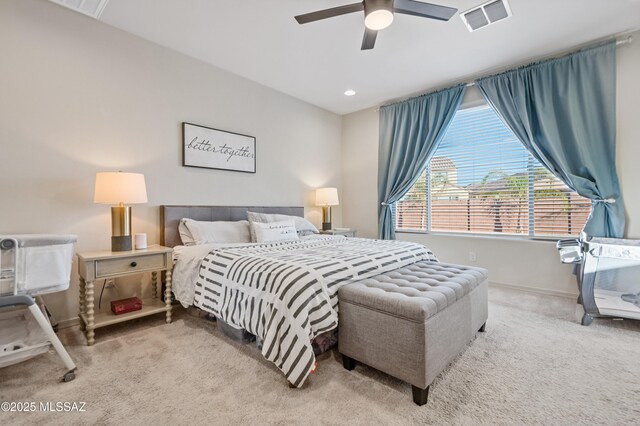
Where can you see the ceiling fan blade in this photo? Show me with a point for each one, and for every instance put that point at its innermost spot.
(329, 13)
(424, 10)
(369, 39)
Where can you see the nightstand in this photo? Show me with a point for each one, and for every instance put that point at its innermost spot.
(100, 265)
(347, 232)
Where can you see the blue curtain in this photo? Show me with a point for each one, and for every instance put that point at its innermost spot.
(410, 131)
(563, 111)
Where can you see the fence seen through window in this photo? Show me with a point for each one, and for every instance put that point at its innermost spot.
(482, 180)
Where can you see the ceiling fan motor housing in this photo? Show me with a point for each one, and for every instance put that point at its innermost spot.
(371, 5)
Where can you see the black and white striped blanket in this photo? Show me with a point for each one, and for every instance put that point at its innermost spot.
(286, 293)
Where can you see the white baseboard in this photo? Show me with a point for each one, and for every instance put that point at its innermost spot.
(536, 290)
(71, 322)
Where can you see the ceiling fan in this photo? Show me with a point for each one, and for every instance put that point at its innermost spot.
(378, 15)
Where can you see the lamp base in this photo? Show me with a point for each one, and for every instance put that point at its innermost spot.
(121, 243)
(326, 218)
(121, 228)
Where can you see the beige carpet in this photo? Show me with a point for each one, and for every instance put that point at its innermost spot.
(535, 365)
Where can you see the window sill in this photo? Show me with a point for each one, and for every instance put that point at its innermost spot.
(484, 236)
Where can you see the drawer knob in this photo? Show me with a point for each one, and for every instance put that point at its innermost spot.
(134, 264)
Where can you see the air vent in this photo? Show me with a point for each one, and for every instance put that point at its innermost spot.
(486, 14)
(92, 8)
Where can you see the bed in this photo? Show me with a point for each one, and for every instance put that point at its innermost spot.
(285, 293)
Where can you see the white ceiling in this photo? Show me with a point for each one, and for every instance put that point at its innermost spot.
(317, 62)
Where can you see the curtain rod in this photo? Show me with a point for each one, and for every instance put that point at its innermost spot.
(622, 41)
(626, 40)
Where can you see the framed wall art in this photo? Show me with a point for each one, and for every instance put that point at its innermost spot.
(217, 149)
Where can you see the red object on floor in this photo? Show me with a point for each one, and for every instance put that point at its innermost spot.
(126, 305)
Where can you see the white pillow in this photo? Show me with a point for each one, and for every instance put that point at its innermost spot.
(275, 231)
(218, 232)
(303, 226)
(185, 234)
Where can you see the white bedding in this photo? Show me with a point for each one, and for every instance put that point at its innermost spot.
(187, 260)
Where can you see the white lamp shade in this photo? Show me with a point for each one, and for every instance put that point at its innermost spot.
(327, 197)
(118, 187)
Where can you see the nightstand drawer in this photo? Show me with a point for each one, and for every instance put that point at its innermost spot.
(109, 267)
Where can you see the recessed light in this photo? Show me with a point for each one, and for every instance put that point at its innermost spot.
(350, 92)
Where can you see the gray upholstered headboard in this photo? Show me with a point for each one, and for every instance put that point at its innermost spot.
(170, 217)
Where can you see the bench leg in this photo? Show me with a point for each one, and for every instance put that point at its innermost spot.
(420, 395)
(348, 363)
(483, 328)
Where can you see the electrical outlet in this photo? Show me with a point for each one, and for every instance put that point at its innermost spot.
(110, 283)
(472, 256)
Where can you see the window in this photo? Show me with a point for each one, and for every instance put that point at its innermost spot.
(481, 180)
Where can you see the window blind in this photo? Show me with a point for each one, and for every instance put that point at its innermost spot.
(482, 180)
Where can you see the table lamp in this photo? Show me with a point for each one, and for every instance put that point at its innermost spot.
(120, 188)
(326, 197)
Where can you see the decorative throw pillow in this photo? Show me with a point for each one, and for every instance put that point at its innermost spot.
(275, 231)
(218, 232)
(185, 234)
(303, 226)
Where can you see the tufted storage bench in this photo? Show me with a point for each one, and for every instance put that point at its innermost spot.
(412, 322)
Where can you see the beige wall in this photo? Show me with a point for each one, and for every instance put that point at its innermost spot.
(360, 172)
(78, 97)
(514, 262)
(628, 131)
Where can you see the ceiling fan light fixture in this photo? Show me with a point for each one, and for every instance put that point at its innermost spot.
(378, 14)
(378, 19)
